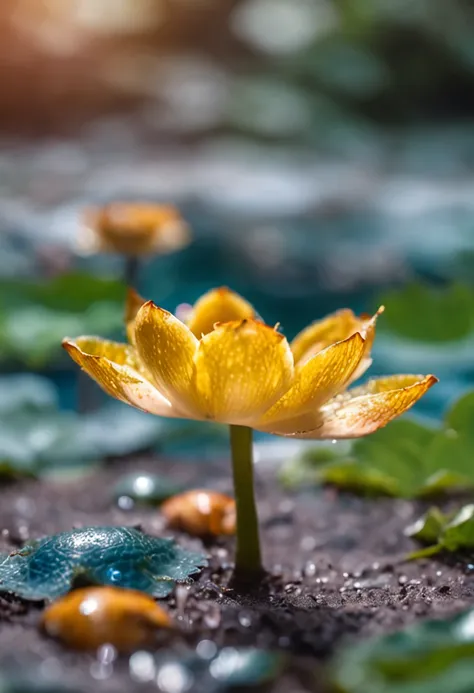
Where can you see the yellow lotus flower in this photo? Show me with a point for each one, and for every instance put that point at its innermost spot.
(225, 365)
(133, 228)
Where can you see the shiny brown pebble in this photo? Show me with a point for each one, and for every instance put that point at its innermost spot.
(201, 512)
(90, 617)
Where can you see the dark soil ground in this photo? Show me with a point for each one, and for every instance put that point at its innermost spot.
(335, 564)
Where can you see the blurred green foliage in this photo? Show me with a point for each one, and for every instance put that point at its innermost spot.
(38, 438)
(431, 657)
(143, 488)
(36, 316)
(428, 527)
(406, 459)
(367, 67)
(452, 532)
(425, 314)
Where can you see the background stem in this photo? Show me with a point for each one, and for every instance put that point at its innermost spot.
(131, 271)
(248, 562)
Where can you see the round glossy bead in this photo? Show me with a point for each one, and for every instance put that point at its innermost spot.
(201, 513)
(90, 617)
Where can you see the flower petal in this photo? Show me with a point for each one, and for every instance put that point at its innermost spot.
(218, 305)
(363, 410)
(321, 378)
(122, 354)
(367, 330)
(110, 365)
(167, 348)
(242, 369)
(133, 303)
(334, 328)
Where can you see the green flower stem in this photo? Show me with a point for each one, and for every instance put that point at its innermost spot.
(248, 561)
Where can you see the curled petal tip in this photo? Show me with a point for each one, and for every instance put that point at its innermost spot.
(251, 323)
(67, 343)
(151, 306)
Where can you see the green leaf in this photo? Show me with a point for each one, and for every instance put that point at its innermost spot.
(71, 292)
(33, 334)
(390, 462)
(461, 415)
(427, 529)
(424, 314)
(35, 317)
(433, 657)
(306, 468)
(453, 533)
(366, 480)
(442, 482)
(458, 534)
(405, 459)
(120, 556)
(60, 443)
(448, 463)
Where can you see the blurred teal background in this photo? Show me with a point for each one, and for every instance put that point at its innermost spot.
(321, 150)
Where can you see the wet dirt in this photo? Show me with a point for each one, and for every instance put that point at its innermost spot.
(336, 574)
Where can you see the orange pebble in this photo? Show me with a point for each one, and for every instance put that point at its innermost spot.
(201, 512)
(89, 617)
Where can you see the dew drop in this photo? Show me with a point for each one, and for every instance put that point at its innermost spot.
(182, 594)
(106, 654)
(51, 668)
(125, 503)
(114, 575)
(308, 543)
(100, 671)
(174, 678)
(142, 666)
(212, 618)
(206, 649)
(245, 619)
